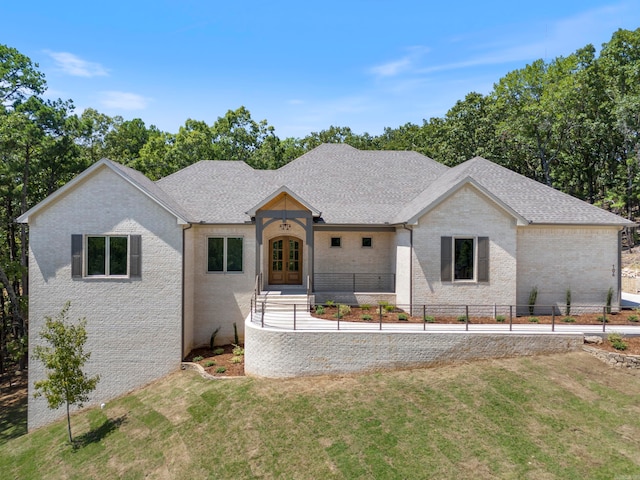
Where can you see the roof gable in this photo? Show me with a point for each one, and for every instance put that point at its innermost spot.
(133, 177)
(283, 192)
(441, 191)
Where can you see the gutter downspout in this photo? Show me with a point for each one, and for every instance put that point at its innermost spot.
(404, 225)
(183, 289)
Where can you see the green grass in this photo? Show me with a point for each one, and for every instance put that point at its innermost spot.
(562, 416)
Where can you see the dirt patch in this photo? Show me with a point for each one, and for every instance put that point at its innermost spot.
(220, 362)
(13, 406)
(633, 346)
(631, 259)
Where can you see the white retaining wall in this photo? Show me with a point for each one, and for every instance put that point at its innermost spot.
(279, 354)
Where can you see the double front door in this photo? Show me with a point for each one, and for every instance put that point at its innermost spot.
(285, 261)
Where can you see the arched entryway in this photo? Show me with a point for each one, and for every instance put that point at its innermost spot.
(285, 261)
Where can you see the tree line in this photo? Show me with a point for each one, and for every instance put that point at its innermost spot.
(572, 123)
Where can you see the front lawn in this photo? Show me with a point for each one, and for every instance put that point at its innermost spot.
(560, 416)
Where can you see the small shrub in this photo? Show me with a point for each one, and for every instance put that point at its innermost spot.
(383, 303)
(235, 334)
(365, 306)
(633, 318)
(238, 350)
(602, 318)
(534, 319)
(366, 317)
(221, 369)
(319, 309)
(533, 297)
(619, 345)
(199, 358)
(568, 302)
(237, 359)
(616, 341)
(403, 317)
(429, 319)
(500, 318)
(209, 363)
(218, 351)
(329, 303)
(462, 318)
(389, 308)
(344, 310)
(569, 320)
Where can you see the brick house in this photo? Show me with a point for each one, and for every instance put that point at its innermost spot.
(155, 267)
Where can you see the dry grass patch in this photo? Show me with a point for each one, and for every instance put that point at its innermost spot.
(561, 416)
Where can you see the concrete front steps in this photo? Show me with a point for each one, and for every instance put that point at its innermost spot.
(279, 303)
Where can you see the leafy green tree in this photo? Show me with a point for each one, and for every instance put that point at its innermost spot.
(126, 138)
(19, 77)
(154, 159)
(335, 134)
(66, 383)
(93, 128)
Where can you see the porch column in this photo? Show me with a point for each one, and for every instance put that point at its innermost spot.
(259, 230)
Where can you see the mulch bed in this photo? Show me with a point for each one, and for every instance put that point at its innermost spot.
(221, 360)
(357, 313)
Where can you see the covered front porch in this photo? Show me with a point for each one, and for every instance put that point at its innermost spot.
(297, 252)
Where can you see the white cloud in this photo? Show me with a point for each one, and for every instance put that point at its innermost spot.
(73, 65)
(514, 44)
(404, 64)
(391, 69)
(124, 100)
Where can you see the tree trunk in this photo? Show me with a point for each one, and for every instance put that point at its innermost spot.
(69, 425)
(23, 227)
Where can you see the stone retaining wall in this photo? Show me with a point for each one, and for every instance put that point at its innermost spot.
(614, 358)
(275, 353)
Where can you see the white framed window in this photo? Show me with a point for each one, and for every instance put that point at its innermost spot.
(464, 259)
(225, 254)
(101, 256)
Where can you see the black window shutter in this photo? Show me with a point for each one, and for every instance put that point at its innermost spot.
(135, 256)
(76, 256)
(483, 259)
(445, 259)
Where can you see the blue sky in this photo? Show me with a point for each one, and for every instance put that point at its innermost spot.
(302, 66)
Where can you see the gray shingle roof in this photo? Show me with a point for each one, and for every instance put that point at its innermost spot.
(347, 185)
(160, 195)
(533, 201)
(355, 187)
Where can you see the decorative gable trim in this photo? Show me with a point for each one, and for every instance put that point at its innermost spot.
(284, 189)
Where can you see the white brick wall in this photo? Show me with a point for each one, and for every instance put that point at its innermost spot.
(583, 259)
(351, 256)
(220, 299)
(466, 212)
(281, 354)
(131, 324)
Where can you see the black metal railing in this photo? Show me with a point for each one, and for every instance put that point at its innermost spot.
(354, 282)
(421, 317)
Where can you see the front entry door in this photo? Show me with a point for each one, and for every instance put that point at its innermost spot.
(285, 265)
